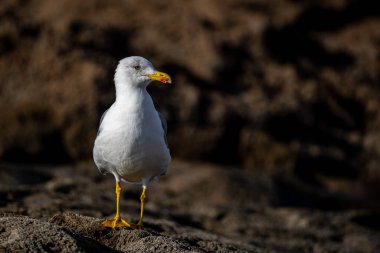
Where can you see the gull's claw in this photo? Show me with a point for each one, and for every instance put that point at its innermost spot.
(137, 226)
(115, 223)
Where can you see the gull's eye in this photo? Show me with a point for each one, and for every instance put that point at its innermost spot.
(137, 67)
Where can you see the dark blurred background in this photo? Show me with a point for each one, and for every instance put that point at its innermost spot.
(284, 89)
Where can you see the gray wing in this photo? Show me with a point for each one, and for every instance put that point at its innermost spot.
(164, 126)
(96, 154)
(101, 120)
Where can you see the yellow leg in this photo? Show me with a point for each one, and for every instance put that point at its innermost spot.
(143, 199)
(117, 221)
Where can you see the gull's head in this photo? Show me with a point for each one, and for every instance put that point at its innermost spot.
(139, 72)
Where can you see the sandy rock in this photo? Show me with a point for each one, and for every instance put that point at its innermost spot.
(22, 234)
(195, 207)
(69, 232)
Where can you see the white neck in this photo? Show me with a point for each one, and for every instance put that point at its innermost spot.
(131, 96)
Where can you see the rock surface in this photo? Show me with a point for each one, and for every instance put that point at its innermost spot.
(195, 208)
(69, 232)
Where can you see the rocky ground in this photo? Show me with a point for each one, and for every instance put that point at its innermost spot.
(195, 208)
(273, 123)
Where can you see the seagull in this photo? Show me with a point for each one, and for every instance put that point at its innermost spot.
(131, 142)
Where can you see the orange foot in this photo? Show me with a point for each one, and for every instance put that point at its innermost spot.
(115, 223)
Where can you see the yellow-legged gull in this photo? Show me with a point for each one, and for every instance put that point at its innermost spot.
(131, 142)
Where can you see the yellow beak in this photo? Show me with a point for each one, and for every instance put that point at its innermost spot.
(160, 76)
